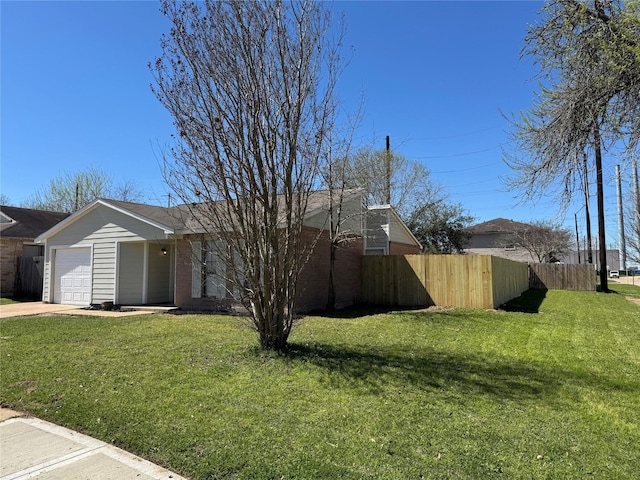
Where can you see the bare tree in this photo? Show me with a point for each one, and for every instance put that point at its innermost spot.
(340, 218)
(4, 199)
(250, 88)
(409, 182)
(545, 241)
(73, 190)
(441, 227)
(589, 51)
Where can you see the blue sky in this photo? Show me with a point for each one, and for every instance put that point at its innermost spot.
(434, 76)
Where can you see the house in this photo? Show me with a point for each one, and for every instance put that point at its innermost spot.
(19, 255)
(129, 253)
(497, 237)
(110, 251)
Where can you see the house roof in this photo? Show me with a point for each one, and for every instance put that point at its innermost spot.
(498, 225)
(184, 218)
(187, 220)
(27, 223)
(162, 215)
(158, 217)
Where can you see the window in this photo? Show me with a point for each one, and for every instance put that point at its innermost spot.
(212, 270)
(208, 270)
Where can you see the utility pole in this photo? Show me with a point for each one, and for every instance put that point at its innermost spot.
(623, 243)
(587, 213)
(577, 237)
(636, 189)
(388, 171)
(602, 241)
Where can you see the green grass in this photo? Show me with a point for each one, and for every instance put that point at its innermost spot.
(632, 291)
(415, 394)
(7, 301)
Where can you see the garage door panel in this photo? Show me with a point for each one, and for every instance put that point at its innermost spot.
(72, 280)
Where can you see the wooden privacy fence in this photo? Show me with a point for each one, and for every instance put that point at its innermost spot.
(466, 281)
(29, 277)
(562, 277)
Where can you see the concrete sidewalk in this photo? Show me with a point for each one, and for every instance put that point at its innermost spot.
(32, 448)
(40, 308)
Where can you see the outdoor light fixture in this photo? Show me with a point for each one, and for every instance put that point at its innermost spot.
(164, 251)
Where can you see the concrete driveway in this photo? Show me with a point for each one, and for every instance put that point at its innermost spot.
(39, 308)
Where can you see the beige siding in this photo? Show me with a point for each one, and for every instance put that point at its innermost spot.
(350, 217)
(104, 224)
(46, 275)
(131, 274)
(397, 231)
(104, 272)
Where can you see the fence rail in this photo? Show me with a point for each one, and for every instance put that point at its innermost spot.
(467, 281)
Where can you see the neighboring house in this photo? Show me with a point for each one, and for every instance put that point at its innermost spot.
(128, 253)
(18, 229)
(496, 237)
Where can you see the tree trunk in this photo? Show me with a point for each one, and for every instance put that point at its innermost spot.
(331, 296)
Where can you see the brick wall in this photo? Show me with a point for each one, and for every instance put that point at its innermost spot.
(313, 284)
(183, 280)
(10, 250)
(396, 248)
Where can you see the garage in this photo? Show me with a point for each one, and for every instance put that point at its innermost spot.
(72, 276)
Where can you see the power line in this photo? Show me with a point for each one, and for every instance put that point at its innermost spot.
(465, 169)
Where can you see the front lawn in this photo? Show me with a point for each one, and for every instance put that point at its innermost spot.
(415, 394)
(7, 301)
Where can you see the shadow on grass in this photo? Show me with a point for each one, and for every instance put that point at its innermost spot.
(375, 372)
(528, 302)
(358, 311)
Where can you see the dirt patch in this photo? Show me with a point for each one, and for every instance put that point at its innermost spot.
(7, 413)
(634, 300)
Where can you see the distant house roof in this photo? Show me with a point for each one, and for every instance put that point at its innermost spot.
(498, 225)
(27, 223)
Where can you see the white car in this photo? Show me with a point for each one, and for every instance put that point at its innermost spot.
(614, 274)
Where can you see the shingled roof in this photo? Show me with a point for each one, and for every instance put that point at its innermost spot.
(27, 223)
(193, 218)
(162, 215)
(498, 225)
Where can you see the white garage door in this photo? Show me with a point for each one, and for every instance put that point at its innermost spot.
(72, 282)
